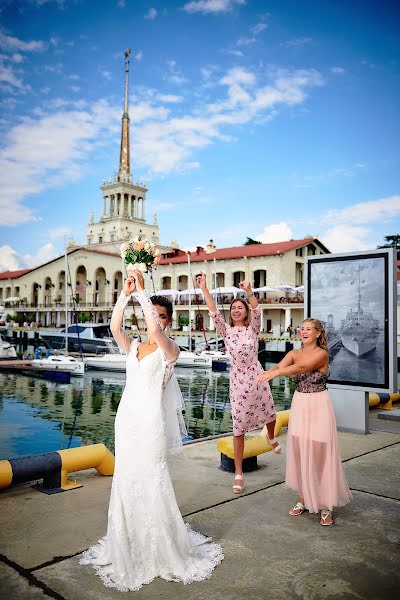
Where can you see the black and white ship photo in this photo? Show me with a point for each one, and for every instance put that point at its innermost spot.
(348, 296)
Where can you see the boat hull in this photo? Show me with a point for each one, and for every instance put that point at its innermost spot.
(93, 345)
(359, 345)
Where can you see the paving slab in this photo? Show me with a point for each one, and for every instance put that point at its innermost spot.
(65, 524)
(362, 472)
(269, 554)
(15, 587)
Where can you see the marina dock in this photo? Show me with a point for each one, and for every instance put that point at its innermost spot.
(268, 554)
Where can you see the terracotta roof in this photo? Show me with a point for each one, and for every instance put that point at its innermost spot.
(241, 251)
(14, 274)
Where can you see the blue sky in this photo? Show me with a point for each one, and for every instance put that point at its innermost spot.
(269, 119)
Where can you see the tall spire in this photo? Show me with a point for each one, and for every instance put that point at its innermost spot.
(124, 156)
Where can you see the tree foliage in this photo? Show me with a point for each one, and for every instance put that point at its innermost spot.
(392, 241)
(249, 241)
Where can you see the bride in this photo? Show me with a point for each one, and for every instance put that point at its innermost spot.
(146, 536)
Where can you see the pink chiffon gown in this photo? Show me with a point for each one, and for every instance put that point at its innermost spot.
(313, 466)
(252, 405)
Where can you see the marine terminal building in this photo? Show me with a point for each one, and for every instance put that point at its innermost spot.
(89, 279)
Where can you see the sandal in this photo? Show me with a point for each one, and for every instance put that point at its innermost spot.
(326, 518)
(238, 488)
(299, 508)
(275, 449)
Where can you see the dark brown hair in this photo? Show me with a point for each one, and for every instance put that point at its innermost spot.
(164, 302)
(246, 321)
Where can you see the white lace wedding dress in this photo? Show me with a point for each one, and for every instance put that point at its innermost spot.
(146, 536)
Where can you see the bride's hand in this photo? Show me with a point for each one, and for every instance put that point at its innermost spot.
(129, 285)
(139, 280)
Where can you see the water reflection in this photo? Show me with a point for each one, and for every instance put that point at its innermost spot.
(43, 416)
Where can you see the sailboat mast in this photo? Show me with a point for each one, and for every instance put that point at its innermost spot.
(66, 301)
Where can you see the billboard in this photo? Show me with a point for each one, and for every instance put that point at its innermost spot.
(355, 295)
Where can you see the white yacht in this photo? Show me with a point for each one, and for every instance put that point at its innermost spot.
(7, 351)
(90, 337)
(191, 359)
(60, 363)
(217, 355)
(106, 362)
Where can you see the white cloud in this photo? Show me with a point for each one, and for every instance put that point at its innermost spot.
(106, 74)
(347, 238)
(169, 98)
(174, 74)
(371, 211)
(258, 28)
(9, 77)
(47, 152)
(11, 260)
(276, 232)
(17, 58)
(237, 76)
(211, 6)
(238, 53)
(308, 181)
(11, 44)
(59, 232)
(151, 14)
(55, 146)
(296, 42)
(138, 56)
(337, 70)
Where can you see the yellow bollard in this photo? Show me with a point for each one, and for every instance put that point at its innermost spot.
(6, 474)
(257, 444)
(95, 456)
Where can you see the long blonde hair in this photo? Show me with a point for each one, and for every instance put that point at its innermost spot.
(322, 341)
(246, 321)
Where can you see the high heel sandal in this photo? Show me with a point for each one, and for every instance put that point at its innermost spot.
(238, 488)
(277, 449)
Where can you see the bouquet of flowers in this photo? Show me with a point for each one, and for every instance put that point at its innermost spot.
(139, 253)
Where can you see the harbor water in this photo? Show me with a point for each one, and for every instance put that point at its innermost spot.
(42, 416)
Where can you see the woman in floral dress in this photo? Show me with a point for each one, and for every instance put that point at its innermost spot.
(251, 402)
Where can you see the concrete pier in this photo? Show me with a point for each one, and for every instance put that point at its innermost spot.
(268, 554)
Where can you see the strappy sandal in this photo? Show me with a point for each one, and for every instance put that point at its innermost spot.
(326, 514)
(299, 508)
(238, 488)
(277, 449)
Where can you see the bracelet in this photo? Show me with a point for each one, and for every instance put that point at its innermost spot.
(250, 295)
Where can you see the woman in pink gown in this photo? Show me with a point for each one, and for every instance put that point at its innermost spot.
(313, 466)
(251, 402)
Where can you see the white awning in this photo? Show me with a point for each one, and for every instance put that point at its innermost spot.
(226, 290)
(191, 292)
(265, 288)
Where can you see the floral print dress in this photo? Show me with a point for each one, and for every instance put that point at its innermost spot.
(252, 405)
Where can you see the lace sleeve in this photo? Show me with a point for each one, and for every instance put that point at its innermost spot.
(123, 340)
(168, 346)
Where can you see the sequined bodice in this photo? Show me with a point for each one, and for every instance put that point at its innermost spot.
(313, 381)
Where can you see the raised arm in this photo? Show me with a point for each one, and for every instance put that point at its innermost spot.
(246, 286)
(216, 316)
(117, 327)
(153, 323)
(201, 282)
